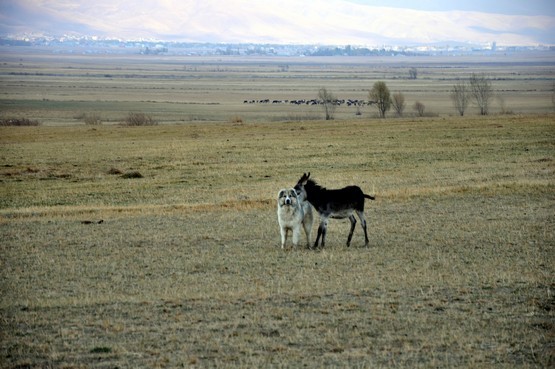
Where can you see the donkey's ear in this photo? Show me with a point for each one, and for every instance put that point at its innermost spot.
(303, 179)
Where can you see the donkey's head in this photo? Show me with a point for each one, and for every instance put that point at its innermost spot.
(299, 187)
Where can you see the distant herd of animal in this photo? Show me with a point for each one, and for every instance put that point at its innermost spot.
(348, 102)
(294, 210)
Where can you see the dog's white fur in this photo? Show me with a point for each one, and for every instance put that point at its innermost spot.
(293, 213)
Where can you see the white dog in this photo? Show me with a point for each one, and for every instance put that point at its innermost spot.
(293, 212)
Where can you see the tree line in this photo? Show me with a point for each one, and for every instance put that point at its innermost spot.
(477, 89)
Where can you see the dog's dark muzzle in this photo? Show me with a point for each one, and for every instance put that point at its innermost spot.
(288, 201)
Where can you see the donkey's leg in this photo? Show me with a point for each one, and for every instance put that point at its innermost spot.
(318, 236)
(363, 224)
(322, 231)
(353, 223)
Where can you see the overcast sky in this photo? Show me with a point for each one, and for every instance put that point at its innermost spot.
(331, 22)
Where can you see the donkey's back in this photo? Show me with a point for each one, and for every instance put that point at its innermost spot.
(344, 200)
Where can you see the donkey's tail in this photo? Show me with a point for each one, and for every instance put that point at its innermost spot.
(369, 197)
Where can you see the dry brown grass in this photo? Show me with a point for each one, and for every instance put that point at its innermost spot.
(186, 269)
(176, 89)
(182, 266)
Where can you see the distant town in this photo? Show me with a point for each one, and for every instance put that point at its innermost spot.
(96, 45)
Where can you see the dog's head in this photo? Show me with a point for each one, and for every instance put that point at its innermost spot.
(287, 197)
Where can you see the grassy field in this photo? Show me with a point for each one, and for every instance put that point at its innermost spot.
(59, 89)
(185, 269)
(145, 247)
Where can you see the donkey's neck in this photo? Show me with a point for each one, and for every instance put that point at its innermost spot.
(313, 191)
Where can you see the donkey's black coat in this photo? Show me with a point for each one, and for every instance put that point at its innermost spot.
(337, 203)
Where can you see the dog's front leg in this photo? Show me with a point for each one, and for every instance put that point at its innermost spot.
(307, 225)
(307, 232)
(283, 231)
(296, 236)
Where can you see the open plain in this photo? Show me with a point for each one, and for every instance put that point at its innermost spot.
(158, 246)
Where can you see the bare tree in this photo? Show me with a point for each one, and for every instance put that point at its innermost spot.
(358, 105)
(413, 73)
(398, 103)
(460, 95)
(482, 92)
(139, 119)
(419, 107)
(381, 97)
(329, 102)
(92, 119)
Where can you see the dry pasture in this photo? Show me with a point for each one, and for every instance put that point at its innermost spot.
(61, 89)
(159, 246)
(185, 269)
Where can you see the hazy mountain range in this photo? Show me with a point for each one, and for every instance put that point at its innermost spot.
(330, 22)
